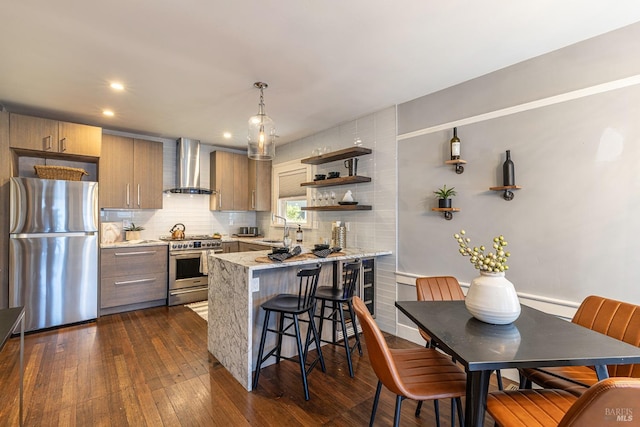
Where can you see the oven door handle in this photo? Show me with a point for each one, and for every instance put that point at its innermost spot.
(193, 254)
(186, 291)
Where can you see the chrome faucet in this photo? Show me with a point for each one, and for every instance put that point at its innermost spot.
(286, 227)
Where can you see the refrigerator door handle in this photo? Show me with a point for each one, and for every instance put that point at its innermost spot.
(43, 235)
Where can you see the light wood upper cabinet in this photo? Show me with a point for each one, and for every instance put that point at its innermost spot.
(259, 185)
(38, 134)
(147, 173)
(130, 173)
(229, 180)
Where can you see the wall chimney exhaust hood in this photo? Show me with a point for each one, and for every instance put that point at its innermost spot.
(188, 168)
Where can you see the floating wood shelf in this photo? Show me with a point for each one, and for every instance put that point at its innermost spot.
(458, 164)
(345, 180)
(448, 212)
(338, 208)
(508, 194)
(347, 153)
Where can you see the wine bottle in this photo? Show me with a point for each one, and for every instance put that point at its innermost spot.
(299, 235)
(508, 172)
(455, 145)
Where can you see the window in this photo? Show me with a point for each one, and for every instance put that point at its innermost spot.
(289, 196)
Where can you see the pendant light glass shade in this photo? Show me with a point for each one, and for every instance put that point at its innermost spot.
(262, 132)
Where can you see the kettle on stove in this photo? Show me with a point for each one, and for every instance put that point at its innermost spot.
(177, 232)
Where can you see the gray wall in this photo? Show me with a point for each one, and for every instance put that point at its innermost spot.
(573, 227)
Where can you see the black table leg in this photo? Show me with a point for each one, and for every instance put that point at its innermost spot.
(477, 389)
(602, 372)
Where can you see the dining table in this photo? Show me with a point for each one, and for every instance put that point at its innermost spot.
(534, 339)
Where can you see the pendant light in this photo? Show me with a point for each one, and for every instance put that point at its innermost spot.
(262, 131)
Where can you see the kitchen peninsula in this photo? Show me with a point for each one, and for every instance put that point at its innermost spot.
(239, 283)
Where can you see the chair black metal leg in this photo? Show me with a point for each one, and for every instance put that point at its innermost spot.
(345, 339)
(499, 378)
(453, 412)
(261, 349)
(352, 313)
(396, 417)
(321, 318)
(279, 342)
(375, 403)
(436, 408)
(525, 383)
(460, 413)
(418, 408)
(303, 370)
(316, 335)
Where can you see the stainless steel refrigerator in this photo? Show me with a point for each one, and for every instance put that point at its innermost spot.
(53, 251)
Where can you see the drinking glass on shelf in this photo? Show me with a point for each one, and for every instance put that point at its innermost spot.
(326, 198)
(313, 198)
(333, 198)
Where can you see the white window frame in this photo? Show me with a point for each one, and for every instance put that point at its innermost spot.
(286, 168)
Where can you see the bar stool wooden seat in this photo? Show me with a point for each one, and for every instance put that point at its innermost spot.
(291, 307)
(336, 299)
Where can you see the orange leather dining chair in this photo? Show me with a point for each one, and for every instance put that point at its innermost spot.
(437, 288)
(414, 373)
(617, 319)
(610, 402)
(441, 288)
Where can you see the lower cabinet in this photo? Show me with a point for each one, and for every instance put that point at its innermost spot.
(132, 278)
(246, 247)
(230, 247)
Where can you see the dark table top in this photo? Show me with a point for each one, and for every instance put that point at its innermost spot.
(9, 318)
(534, 339)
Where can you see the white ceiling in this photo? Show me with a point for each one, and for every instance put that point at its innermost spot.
(189, 65)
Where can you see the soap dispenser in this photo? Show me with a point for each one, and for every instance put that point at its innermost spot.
(299, 235)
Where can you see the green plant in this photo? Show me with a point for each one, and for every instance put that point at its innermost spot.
(445, 193)
(133, 227)
(495, 262)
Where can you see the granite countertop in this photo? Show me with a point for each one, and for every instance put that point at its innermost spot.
(134, 244)
(248, 259)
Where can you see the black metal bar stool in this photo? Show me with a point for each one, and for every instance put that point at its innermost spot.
(290, 307)
(336, 298)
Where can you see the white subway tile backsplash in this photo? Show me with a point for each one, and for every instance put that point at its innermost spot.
(368, 229)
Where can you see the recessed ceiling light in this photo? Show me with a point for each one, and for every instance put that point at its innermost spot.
(117, 86)
(227, 135)
(108, 113)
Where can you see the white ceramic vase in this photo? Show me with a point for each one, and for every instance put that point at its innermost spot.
(492, 299)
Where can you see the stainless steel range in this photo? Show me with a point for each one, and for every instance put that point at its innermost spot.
(188, 280)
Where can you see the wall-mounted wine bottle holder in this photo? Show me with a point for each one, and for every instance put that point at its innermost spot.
(508, 193)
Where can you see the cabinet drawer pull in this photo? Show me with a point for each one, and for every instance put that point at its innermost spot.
(128, 196)
(135, 253)
(131, 282)
(138, 195)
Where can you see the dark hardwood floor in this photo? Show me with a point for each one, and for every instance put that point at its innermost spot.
(152, 368)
